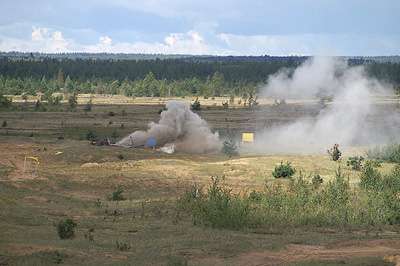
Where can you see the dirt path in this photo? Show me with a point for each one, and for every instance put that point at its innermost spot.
(386, 248)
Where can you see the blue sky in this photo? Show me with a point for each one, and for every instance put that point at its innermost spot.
(212, 27)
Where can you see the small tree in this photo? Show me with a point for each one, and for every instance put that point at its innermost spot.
(73, 101)
(91, 135)
(370, 178)
(4, 124)
(66, 228)
(334, 152)
(5, 102)
(114, 135)
(229, 148)
(117, 194)
(285, 171)
(355, 162)
(88, 106)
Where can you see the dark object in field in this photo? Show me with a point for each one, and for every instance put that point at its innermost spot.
(104, 142)
(60, 137)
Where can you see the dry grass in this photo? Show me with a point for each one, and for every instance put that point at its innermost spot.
(77, 182)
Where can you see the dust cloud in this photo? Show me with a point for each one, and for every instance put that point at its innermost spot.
(349, 118)
(179, 129)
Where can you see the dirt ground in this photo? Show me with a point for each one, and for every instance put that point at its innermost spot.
(386, 248)
(12, 152)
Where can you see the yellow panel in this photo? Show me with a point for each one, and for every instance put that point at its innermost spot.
(247, 137)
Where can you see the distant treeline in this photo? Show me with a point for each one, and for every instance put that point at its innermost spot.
(32, 73)
(170, 69)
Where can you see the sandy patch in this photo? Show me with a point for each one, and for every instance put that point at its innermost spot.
(38, 199)
(90, 165)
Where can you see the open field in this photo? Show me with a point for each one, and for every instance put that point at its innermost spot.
(75, 180)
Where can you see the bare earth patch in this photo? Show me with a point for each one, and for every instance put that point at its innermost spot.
(23, 249)
(387, 248)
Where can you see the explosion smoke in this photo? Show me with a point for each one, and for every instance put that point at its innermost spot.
(346, 121)
(179, 129)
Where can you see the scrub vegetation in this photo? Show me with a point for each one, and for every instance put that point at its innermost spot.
(84, 202)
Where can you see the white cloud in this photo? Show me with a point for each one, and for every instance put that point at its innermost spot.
(105, 40)
(202, 40)
(42, 40)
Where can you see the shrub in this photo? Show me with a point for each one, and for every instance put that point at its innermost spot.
(114, 135)
(285, 171)
(91, 135)
(4, 124)
(73, 101)
(217, 208)
(229, 148)
(5, 102)
(316, 181)
(389, 152)
(117, 194)
(66, 228)
(389, 193)
(377, 162)
(334, 152)
(88, 106)
(335, 198)
(370, 178)
(122, 246)
(355, 162)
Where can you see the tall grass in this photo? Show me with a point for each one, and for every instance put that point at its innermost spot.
(300, 203)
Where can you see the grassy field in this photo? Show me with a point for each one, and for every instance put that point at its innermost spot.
(76, 180)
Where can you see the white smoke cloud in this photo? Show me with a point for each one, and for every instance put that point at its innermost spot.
(346, 120)
(179, 128)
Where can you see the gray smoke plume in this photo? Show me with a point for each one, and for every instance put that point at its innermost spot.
(350, 119)
(179, 129)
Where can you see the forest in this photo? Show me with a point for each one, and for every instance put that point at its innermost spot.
(161, 76)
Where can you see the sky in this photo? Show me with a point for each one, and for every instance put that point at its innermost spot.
(202, 27)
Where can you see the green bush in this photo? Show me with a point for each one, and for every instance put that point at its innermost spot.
(229, 148)
(117, 194)
(88, 106)
(370, 178)
(73, 101)
(316, 181)
(4, 124)
(334, 152)
(5, 102)
(285, 171)
(91, 135)
(299, 204)
(66, 228)
(218, 207)
(114, 135)
(389, 152)
(122, 246)
(355, 162)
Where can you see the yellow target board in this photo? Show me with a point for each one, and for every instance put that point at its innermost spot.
(248, 137)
